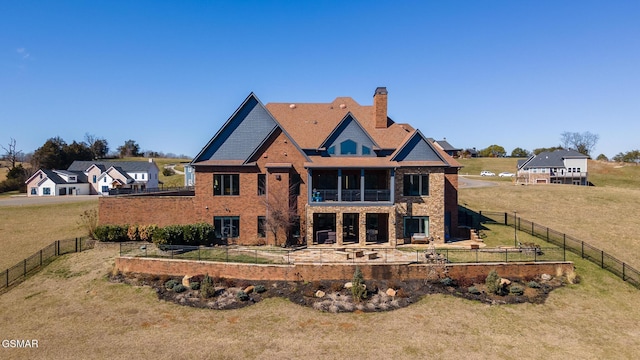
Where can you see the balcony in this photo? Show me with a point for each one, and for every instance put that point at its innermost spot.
(349, 186)
(325, 195)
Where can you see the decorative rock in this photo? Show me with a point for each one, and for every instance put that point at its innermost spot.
(505, 282)
(248, 290)
(320, 293)
(545, 277)
(186, 280)
(348, 285)
(391, 292)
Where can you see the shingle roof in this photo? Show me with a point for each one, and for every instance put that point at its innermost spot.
(128, 166)
(550, 159)
(311, 123)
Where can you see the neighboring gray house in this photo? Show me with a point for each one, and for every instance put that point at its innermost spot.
(556, 167)
(446, 147)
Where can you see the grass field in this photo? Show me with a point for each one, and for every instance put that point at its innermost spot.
(27, 229)
(75, 312)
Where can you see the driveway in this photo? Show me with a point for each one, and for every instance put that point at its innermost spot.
(20, 200)
(465, 182)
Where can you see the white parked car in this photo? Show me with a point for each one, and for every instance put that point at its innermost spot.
(486, 173)
(506, 174)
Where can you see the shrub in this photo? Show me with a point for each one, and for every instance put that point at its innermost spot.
(207, 289)
(358, 290)
(168, 172)
(242, 296)
(534, 285)
(259, 289)
(158, 237)
(493, 282)
(132, 233)
(179, 288)
(194, 285)
(112, 233)
(448, 281)
(516, 290)
(145, 232)
(473, 290)
(170, 284)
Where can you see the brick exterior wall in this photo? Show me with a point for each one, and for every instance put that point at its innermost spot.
(312, 272)
(146, 210)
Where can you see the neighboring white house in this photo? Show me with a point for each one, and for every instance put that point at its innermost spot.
(94, 178)
(556, 167)
(57, 182)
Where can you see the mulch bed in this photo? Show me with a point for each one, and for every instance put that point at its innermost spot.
(335, 297)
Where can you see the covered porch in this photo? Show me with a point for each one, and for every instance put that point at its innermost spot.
(344, 226)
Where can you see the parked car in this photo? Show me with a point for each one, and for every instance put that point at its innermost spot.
(506, 174)
(487, 173)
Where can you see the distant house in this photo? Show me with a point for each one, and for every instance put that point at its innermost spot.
(555, 167)
(94, 178)
(57, 182)
(446, 147)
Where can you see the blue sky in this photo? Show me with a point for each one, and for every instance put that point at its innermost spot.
(169, 74)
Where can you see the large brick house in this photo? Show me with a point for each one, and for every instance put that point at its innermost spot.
(339, 173)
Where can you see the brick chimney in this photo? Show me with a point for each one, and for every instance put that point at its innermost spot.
(380, 107)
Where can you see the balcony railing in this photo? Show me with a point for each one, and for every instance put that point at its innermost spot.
(325, 195)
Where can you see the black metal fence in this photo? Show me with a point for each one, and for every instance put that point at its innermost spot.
(270, 255)
(564, 241)
(17, 273)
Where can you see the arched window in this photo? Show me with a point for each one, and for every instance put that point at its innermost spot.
(348, 147)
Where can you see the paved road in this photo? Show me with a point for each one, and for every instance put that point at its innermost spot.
(21, 200)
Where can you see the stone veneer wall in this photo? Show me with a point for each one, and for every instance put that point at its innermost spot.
(314, 272)
(432, 205)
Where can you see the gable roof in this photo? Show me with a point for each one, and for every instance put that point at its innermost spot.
(128, 166)
(310, 124)
(416, 147)
(547, 159)
(56, 178)
(242, 135)
(349, 128)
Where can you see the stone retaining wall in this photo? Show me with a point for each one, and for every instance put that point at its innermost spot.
(314, 272)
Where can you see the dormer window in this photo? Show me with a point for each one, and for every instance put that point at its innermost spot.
(348, 147)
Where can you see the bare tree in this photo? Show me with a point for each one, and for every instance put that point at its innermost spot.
(581, 142)
(11, 154)
(282, 211)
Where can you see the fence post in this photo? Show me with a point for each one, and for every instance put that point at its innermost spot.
(623, 277)
(564, 247)
(7, 277)
(602, 258)
(25, 268)
(40, 257)
(76, 244)
(582, 251)
(547, 234)
(505, 220)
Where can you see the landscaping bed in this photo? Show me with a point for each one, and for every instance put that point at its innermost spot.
(337, 296)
